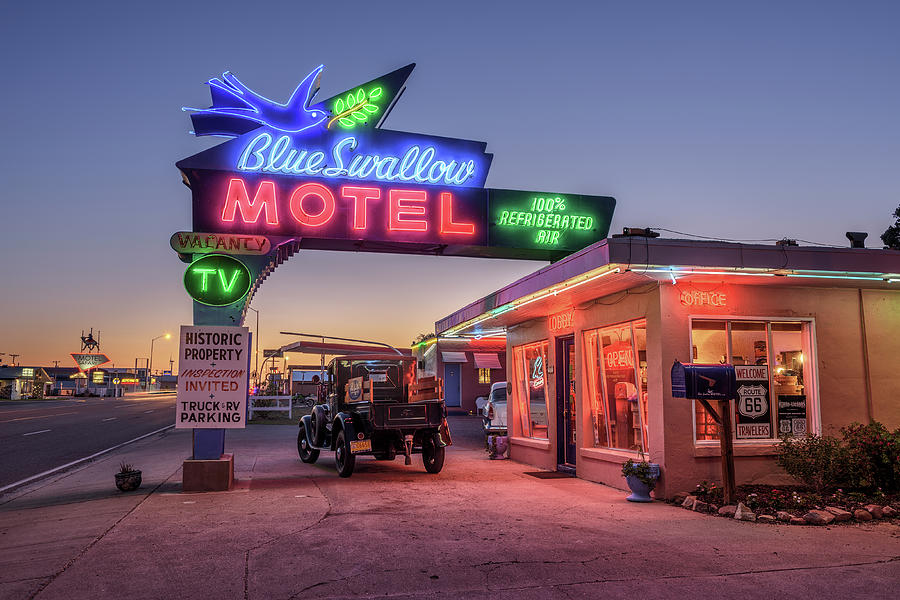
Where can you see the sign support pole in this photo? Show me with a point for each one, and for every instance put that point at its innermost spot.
(727, 446)
(722, 417)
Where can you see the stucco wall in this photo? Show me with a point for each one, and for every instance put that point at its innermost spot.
(836, 376)
(882, 321)
(839, 373)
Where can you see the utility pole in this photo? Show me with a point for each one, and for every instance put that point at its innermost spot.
(14, 357)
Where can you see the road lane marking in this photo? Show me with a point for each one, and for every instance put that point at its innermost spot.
(110, 419)
(81, 460)
(38, 417)
(37, 432)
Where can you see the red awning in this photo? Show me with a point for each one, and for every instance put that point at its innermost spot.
(487, 360)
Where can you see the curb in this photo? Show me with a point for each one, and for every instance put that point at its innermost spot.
(69, 465)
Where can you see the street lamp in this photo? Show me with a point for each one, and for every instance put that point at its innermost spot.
(256, 352)
(150, 365)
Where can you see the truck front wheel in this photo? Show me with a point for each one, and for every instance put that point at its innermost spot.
(343, 459)
(432, 455)
(307, 453)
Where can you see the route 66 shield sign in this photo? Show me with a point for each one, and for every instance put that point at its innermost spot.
(752, 402)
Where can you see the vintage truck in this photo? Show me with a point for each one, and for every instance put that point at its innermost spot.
(372, 404)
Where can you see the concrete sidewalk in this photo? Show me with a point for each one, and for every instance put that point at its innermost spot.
(480, 529)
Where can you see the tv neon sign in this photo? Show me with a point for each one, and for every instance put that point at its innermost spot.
(217, 280)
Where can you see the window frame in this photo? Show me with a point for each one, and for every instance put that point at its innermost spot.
(518, 388)
(602, 383)
(808, 339)
(479, 372)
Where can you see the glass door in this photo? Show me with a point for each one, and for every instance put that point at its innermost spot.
(565, 400)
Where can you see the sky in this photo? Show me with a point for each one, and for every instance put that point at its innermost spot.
(753, 120)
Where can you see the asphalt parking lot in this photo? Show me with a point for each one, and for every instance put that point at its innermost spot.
(479, 529)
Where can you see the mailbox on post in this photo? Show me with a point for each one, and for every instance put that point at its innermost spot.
(703, 382)
(711, 382)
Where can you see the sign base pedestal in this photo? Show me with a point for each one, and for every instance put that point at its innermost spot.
(216, 475)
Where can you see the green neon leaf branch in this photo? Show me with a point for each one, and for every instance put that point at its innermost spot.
(355, 107)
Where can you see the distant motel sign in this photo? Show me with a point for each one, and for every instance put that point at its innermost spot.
(327, 175)
(213, 377)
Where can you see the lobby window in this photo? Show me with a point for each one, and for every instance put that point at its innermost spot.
(530, 362)
(484, 376)
(617, 386)
(772, 378)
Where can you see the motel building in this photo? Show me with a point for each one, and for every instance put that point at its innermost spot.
(814, 334)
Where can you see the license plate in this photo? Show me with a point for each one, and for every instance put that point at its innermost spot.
(360, 446)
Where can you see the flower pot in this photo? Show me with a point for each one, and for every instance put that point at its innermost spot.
(640, 491)
(128, 481)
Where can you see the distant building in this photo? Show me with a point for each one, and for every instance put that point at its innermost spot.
(18, 383)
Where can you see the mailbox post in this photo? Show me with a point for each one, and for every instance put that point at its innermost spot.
(706, 383)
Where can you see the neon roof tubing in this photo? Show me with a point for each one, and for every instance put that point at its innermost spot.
(686, 272)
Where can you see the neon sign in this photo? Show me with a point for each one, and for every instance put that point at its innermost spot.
(189, 242)
(232, 99)
(266, 154)
(217, 280)
(561, 321)
(557, 221)
(86, 362)
(699, 298)
(326, 176)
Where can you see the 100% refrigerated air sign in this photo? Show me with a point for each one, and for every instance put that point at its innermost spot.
(212, 378)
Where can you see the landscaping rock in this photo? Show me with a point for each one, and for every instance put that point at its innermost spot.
(689, 502)
(840, 515)
(679, 497)
(889, 512)
(862, 515)
(728, 511)
(797, 521)
(743, 513)
(784, 517)
(818, 517)
(765, 519)
(701, 506)
(876, 511)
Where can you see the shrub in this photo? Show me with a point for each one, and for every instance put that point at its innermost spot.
(874, 456)
(819, 462)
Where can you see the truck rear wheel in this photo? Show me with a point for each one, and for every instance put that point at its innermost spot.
(343, 459)
(432, 455)
(307, 453)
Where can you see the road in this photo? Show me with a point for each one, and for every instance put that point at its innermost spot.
(43, 434)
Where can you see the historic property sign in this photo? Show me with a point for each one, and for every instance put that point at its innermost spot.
(212, 378)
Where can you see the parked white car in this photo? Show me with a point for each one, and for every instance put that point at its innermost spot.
(494, 411)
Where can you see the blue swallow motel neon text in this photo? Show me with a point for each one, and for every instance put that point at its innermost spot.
(267, 154)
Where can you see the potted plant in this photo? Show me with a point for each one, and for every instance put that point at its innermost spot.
(641, 477)
(128, 478)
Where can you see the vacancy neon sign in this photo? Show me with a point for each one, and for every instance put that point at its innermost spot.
(353, 210)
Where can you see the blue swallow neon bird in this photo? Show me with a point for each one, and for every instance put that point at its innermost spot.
(237, 109)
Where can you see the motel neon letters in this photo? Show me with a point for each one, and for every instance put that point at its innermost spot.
(313, 205)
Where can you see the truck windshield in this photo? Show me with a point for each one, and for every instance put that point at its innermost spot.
(499, 395)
